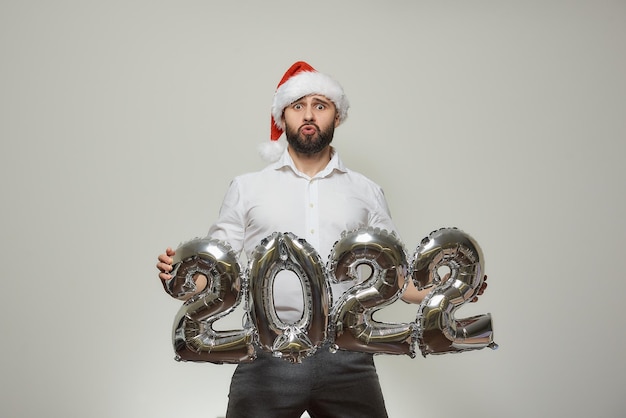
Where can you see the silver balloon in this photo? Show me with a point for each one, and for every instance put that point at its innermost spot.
(353, 326)
(194, 338)
(292, 341)
(438, 330)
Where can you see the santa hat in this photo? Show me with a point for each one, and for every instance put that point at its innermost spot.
(300, 80)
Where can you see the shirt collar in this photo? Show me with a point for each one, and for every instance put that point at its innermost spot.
(335, 163)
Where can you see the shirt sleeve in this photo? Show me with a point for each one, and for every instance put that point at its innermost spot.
(380, 216)
(230, 224)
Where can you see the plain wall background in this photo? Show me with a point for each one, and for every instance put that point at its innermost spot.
(122, 124)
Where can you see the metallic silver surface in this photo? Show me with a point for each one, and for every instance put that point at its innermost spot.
(385, 260)
(193, 336)
(438, 330)
(291, 341)
(371, 264)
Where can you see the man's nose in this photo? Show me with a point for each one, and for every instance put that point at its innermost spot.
(308, 113)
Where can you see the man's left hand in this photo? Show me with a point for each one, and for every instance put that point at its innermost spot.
(483, 286)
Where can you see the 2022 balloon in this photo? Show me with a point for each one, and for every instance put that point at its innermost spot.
(349, 324)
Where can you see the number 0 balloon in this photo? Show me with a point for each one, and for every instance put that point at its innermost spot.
(291, 341)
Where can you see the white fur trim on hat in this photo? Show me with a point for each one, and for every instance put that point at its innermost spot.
(304, 84)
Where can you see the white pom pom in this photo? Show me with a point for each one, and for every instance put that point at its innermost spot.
(271, 151)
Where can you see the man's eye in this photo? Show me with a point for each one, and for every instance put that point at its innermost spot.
(297, 106)
(320, 107)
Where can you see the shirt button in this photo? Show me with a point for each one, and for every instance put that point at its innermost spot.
(312, 231)
(311, 205)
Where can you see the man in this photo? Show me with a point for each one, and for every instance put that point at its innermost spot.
(308, 191)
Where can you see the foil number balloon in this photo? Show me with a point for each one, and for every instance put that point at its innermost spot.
(385, 258)
(291, 341)
(193, 336)
(351, 326)
(439, 331)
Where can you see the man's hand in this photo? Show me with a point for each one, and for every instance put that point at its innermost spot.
(482, 289)
(165, 264)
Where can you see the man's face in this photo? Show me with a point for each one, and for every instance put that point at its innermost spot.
(310, 124)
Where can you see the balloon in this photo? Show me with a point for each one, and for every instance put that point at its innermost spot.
(194, 338)
(439, 331)
(354, 328)
(298, 340)
(350, 324)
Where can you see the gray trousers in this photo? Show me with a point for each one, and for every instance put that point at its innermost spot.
(341, 385)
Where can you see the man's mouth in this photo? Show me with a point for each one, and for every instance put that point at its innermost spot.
(308, 129)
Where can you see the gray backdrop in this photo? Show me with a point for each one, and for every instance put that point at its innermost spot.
(122, 123)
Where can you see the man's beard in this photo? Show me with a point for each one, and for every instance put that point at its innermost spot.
(309, 144)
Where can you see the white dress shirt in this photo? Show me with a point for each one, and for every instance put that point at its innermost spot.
(318, 209)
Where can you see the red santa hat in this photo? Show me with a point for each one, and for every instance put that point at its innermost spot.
(300, 80)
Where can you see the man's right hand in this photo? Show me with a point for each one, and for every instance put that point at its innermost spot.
(165, 264)
(165, 267)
